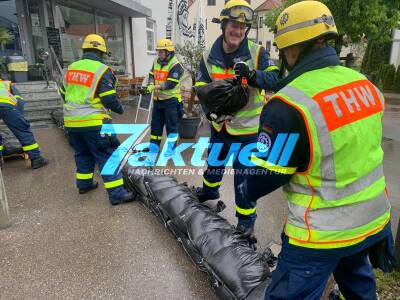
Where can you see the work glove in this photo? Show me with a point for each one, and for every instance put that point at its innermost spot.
(150, 88)
(244, 71)
(219, 119)
(381, 255)
(143, 91)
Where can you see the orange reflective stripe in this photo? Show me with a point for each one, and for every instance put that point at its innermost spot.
(345, 240)
(160, 75)
(80, 77)
(222, 76)
(348, 103)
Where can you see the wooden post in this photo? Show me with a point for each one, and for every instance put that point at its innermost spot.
(4, 213)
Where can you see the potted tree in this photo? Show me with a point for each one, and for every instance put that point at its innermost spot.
(189, 55)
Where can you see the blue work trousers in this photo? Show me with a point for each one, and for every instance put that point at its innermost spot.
(165, 113)
(212, 177)
(20, 127)
(302, 273)
(92, 148)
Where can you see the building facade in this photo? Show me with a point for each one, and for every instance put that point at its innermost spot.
(146, 32)
(63, 24)
(395, 51)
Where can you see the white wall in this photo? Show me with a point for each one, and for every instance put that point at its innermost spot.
(128, 45)
(395, 52)
(142, 58)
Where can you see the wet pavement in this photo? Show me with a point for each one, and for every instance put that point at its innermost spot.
(62, 245)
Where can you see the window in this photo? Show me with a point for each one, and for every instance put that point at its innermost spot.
(75, 22)
(261, 22)
(110, 28)
(150, 34)
(211, 2)
(268, 46)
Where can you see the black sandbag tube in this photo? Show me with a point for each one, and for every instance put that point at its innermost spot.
(11, 145)
(236, 270)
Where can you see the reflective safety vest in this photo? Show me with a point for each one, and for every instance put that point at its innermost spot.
(160, 74)
(341, 198)
(6, 97)
(246, 120)
(82, 107)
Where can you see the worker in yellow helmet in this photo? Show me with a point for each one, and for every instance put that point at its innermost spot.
(330, 118)
(231, 55)
(164, 81)
(89, 93)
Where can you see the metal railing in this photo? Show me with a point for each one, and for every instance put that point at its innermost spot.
(55, 69)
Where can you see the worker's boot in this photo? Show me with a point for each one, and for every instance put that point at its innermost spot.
(248, 232)
(128, 197)
(39, 162)
(203, 195)
(92, 187)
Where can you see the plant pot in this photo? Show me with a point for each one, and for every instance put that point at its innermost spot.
(187, 127)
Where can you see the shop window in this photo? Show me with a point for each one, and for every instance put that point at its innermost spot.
(75, 22)
(11, 43)
(150, 33)
(211, 2)
(110, 27)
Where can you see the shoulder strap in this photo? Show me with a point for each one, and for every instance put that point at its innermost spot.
(206, 54)
(255, 54)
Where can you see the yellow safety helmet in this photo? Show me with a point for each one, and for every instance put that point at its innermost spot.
(238, 10)
(165, 44)
(302, 22)
(94, 41)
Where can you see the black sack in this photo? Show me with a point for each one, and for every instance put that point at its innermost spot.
(11, 145)
(223, 97)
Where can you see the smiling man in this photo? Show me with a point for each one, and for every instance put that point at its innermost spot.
(231, 54)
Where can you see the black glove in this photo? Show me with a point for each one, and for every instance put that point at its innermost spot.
(241, 69)
(143, 90)
(381, 255)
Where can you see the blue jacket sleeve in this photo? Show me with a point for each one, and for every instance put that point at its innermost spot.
(279, 126)
(267, 73)
(16, 93)
(107, 93)
(173, 77)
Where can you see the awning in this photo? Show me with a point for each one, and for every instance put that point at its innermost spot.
(127, 8)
